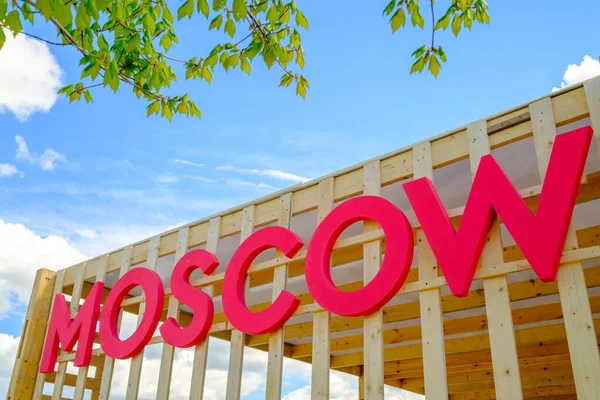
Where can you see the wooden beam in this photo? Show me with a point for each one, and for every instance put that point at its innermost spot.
(31, 343)
(321, 327)
(507, 380)
(276, 340)
(238, 338)
(432, 322)
(592, 95)
(579, 325)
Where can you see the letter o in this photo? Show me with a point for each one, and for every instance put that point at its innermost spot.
(394, 269)
(233, 296)
(154, 294)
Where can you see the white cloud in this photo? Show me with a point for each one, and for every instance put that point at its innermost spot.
(8, 352)
(9, 170)
(587, 69)
(186, 162)
(22, 253)
(87, 233)
(29, 76)
(169, 178)
(272, 173)
(239, 182)
(47, 161)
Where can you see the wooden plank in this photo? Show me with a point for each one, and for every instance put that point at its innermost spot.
(109, 363)
(320, 348)
(82, 374)
(58, 287)
(276, 341)
(238, 338)
(581, 335)
(592, 95)
(373, 386)
(135, 370)
(29, 353)
(168, 351)
(62, 367)
(507, 380)
(201, 349)
(432, 321)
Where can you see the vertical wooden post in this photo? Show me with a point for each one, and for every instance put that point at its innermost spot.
(238, 338)
(373, 324)
(592, 95)
(579, 324)
(41, 378)
(361, 383)
(135, 371)
(29, 353)
(276, 342)
(73, 308)
(82, 374)
(168, 351)
(432, 322)
(109, 363)
(320, 345)
(505, 361)
(201, 350)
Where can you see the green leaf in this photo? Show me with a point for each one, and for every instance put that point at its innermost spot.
(133, 43)
(167, 14)
(82, 19)
(245, 66)
(182, 108)
(456, 25)
(418, 65)
(153, 108)
(186, 9)
(301, 89)
(239, 9)
(398, 19)
(149, 23)
(225, 62)
(269, 57)
(234, 60)
(301, 20)
(2, 38)
(13, 22)
(442, 54)
(389, 8)
(207, 75)
(216, 22)
(194, 110)
(167, 112)
(218, 4)
(44, 7)
(272, 14)
(295, 38)
(417, 19)
(203, 8)
(230, 27)
(300, 59)
(166, 42)
(285, 17)
(212, 60)
(111, 76)
(88, 97)
(286, 80)
(102, 43)
(434, 66)
(419, 52)
(443, 22)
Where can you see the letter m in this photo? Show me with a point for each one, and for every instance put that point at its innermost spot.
(66, 332)
(541, 237)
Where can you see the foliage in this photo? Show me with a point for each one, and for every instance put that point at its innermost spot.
(126, 42)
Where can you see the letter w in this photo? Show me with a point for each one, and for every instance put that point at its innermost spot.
(66, 332)
(540, 237)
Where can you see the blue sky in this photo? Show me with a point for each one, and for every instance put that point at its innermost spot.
(112, 176)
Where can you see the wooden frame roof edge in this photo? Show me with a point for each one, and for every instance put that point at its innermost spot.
(298, 186)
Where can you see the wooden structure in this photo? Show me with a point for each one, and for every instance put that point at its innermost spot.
(512, 337)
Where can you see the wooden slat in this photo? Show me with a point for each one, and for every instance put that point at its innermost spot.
(201, 349)
(507, 380)
(592, 95)
(276, 341)
(320, 348)
(238, 338)
(135, 370)
(432, 322)
(581, 335)
(168, 351)
(82, 374)
(109, 363)
(41, 378)
(26, 366)
(62, 367)
(373, 385)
